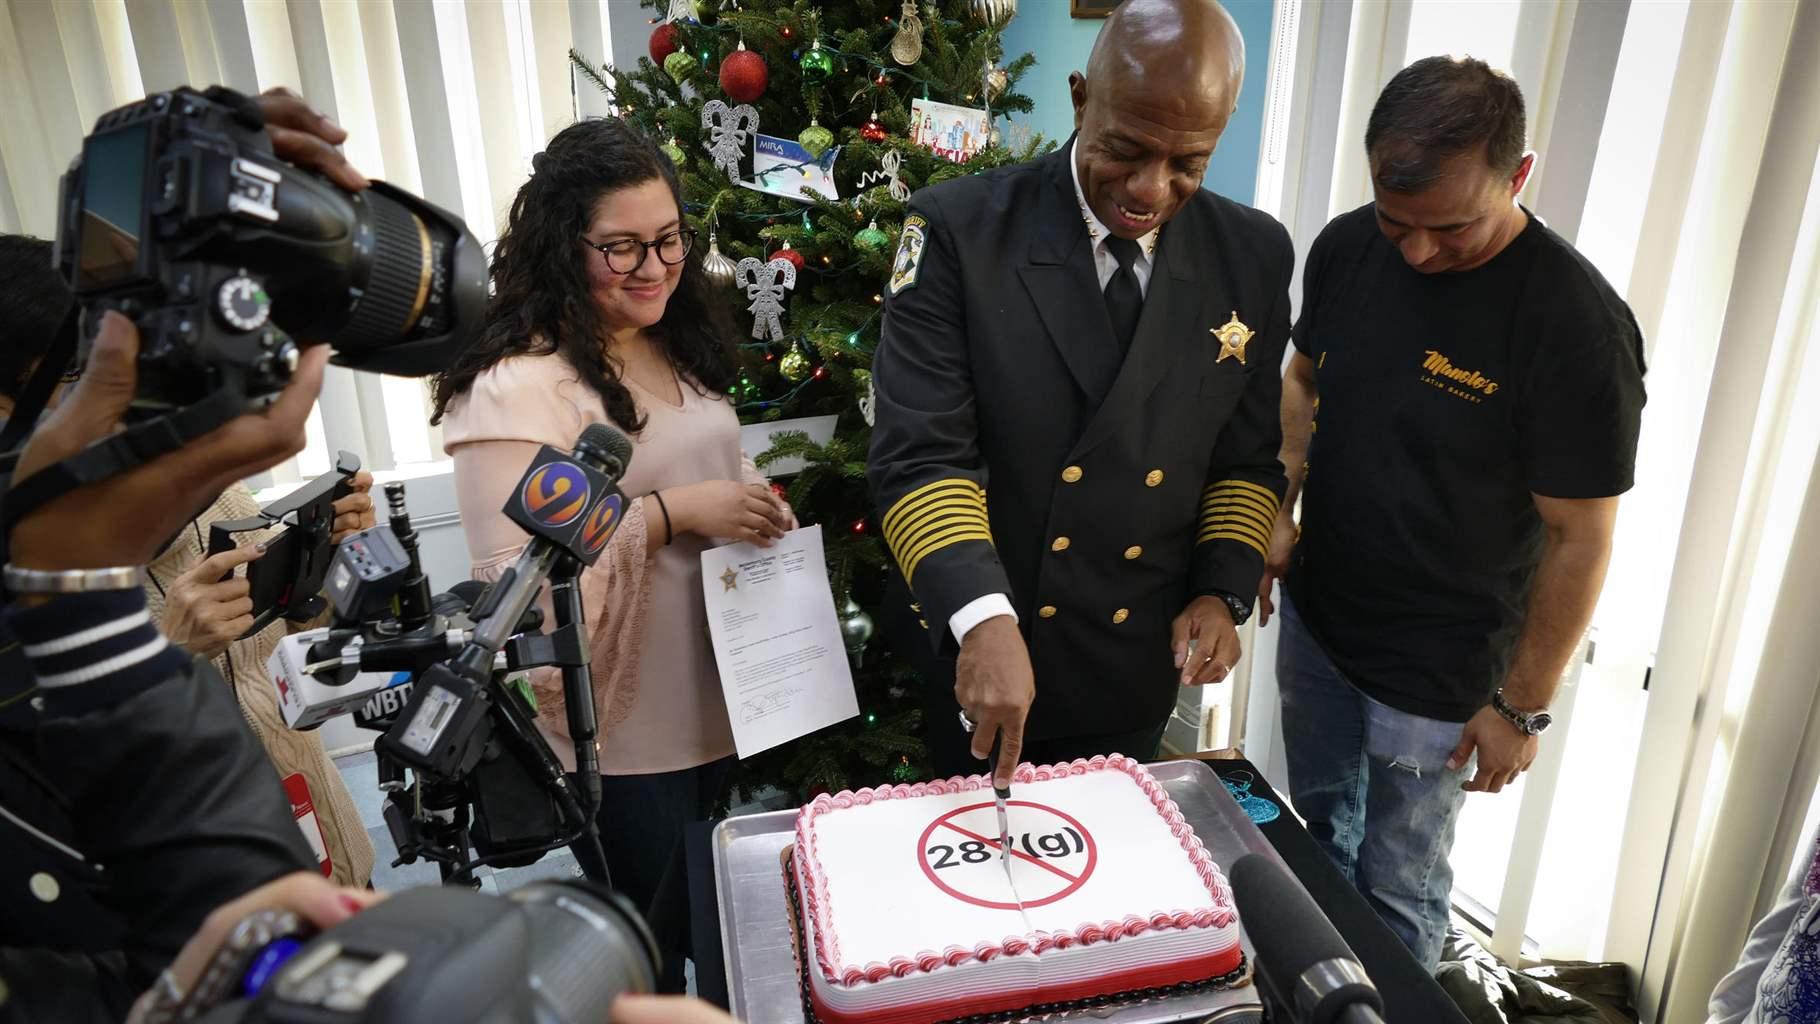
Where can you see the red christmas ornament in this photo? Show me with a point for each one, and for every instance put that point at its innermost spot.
(743, 75)
(664, 42)
(859, 526)
(872, 130)
(787, 253)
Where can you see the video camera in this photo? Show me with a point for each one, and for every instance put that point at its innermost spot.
(430, 672)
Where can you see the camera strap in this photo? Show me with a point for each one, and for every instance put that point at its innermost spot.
(111, 456)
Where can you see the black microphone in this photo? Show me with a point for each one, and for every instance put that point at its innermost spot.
(1304, 962)
(608, 451)
(570, 505)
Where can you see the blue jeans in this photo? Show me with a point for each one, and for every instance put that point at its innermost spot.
(1373, 785)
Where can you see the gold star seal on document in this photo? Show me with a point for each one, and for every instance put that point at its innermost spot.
(730, 578)
(1233, 336)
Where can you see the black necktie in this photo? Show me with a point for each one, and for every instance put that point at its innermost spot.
(1124, 299)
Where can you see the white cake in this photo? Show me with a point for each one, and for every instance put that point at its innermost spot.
(908, 917)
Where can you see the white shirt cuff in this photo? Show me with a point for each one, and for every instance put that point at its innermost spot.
(977, 611)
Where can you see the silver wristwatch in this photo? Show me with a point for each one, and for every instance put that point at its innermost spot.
(1531, 723)
(71, 581)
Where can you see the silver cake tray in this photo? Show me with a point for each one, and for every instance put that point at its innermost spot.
(762, 980)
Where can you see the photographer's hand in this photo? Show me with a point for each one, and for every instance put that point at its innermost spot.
(354, 513)
(204, 613)
(125, 519)
(667, 1010)
(320, 903)
(303, 136)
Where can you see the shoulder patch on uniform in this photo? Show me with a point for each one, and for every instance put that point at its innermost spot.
(909, 254)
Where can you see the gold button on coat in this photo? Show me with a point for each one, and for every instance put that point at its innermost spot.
(1133, 551)
(1071, 475)
(1059, 544)
(1047, 611)
(1120, 616)
(45, 888)
(1152, 478)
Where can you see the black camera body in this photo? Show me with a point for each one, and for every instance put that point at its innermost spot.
(178, 215)
(551, 953)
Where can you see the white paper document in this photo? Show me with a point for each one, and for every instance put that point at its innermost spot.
(783, 667)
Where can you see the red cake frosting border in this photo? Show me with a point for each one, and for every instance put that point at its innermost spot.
(817, 905)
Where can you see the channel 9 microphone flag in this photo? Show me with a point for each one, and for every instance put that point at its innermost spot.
(569, 502)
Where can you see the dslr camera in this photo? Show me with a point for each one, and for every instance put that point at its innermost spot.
(178, 215)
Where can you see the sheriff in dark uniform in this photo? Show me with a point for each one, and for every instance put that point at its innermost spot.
(1075, 453)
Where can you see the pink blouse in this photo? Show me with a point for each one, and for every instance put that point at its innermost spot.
(656, 687)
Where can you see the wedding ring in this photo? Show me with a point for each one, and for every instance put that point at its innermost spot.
(966, 723)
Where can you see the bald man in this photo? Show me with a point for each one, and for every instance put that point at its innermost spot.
(1075, 453)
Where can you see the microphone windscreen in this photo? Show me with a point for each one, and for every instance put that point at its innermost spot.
(1286, 927)
(605, 443)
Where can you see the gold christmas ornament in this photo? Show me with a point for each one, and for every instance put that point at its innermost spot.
(794, 365)
(907, 45)
(995, 82)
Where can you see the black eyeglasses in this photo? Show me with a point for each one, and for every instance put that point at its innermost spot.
(625, 255)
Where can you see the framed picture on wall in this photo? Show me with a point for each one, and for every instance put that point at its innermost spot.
(1091, 8)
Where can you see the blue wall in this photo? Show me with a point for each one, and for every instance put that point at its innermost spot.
(1061, 45)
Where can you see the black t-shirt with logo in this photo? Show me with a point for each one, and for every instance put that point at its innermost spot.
(1445, 402)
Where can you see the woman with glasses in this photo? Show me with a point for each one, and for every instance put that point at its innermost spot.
(601, 313)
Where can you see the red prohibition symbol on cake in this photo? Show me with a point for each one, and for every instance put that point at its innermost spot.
(1053, 854)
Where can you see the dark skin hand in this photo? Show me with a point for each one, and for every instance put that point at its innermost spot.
(303, 136)
(1160, 86)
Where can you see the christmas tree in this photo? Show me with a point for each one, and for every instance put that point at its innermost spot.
(748, 93)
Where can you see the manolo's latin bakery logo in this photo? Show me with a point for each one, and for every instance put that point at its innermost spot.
(1439, 371)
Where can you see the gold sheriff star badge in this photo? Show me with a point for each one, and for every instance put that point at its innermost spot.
(1233, 336)
(731, 579)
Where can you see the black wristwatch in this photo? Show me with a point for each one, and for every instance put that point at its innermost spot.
(1530, 723)
(1241, 610)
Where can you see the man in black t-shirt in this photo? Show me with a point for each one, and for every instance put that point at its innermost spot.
(1478, 387)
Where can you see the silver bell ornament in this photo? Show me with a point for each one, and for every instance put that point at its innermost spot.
(994, 14)
(722, 272)
(855, 627)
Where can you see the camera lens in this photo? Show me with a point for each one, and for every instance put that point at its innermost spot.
(417, 284)
(587, 947)
(405, 263)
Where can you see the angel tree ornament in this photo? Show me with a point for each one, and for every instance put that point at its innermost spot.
(765, 284)
(727, 128)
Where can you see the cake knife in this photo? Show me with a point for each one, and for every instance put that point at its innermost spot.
(999, 796)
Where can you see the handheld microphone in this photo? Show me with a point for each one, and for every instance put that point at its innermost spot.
(1304, 962)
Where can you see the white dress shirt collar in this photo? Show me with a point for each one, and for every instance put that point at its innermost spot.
(1103, 260)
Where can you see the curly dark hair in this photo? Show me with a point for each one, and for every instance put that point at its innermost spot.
(541, 299)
